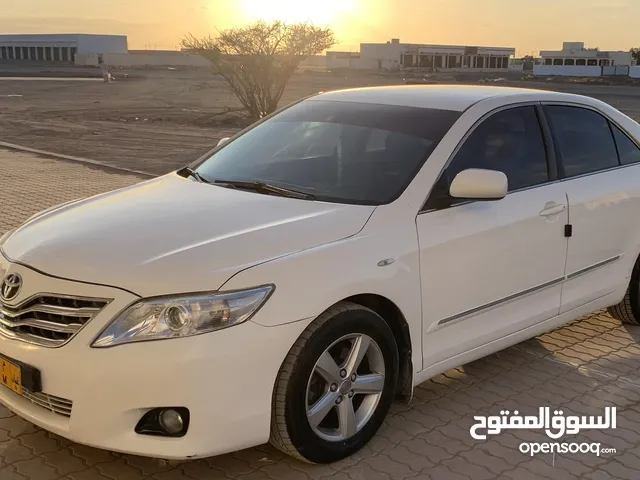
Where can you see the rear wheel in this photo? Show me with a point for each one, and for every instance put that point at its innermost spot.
(628, 310)
(335, 386)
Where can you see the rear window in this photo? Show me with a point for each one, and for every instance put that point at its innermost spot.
(627, 150)
(584, 139)
(337, 151)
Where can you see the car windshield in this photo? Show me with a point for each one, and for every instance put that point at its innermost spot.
(342, 152)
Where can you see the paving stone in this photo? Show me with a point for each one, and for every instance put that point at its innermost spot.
(440, 472)
(119, 468)
(480, 458)
(402, 454)
(281, 471)
(620, 471)
(363, 471)
(522, 473)
(88, 474)
(64, 462)
(463, 466)
(9, 473)
(434, 453)
(39, 443)
(36, 468)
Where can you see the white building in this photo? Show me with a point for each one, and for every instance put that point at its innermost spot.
(575, 54)
(59, 47)
(394, 55)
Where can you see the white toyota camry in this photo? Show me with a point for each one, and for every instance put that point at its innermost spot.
(294, 281)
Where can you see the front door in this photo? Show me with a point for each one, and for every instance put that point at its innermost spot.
(491, 268)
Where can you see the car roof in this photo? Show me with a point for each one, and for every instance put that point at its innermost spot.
(441, 97)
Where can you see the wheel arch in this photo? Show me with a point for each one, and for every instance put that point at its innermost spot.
(397, 322)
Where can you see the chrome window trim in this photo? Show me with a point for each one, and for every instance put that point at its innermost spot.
(560, 180)
(565, 103)
(462, 141)
(542, 103)
(516, 296)
(589, 107)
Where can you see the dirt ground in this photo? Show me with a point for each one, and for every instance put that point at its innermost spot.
(159, 120)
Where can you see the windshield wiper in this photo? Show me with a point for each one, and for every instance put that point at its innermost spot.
(191, 172)
(265, 188)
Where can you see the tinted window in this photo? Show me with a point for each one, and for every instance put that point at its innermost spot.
(511, 142)
(337, 151)
(628, 151)
(584, 140)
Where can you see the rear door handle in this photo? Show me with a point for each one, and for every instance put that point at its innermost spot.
(555, 210)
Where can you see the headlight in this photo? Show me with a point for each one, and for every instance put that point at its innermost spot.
(6, 236)
(182, 316)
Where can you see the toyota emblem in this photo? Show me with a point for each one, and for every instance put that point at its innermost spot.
(11, 286)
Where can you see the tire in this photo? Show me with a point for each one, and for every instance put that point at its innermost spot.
(628, 310)
(299, 381)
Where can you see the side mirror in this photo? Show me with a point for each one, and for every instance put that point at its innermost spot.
(479, 184)
(223, 141)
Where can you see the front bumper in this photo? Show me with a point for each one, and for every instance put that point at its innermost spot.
(224, 378)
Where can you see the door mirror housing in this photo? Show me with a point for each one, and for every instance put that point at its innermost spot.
(479, 184)
(223, 141)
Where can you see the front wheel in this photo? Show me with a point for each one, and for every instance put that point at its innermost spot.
(336, 385)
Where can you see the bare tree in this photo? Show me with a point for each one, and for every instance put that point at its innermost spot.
(635, 53)
(257, 61)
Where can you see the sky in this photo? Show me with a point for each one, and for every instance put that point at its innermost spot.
(527, 25)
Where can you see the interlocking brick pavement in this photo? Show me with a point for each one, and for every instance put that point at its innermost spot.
(581, 368)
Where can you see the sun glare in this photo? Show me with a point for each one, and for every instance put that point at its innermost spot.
(319, 12)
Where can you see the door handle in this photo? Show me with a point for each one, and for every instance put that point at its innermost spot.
(555, 210)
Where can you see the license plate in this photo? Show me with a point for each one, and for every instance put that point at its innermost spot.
(11, 375)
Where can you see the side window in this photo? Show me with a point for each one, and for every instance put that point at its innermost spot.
(510, 141)
(584, 140)
(628, 151)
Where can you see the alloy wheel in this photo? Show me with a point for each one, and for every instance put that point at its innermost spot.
(345, 387)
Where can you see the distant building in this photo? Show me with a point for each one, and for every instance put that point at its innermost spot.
(394, 55)
(575, 54)
(61, 48)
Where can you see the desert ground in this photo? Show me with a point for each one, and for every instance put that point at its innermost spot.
(159, 120)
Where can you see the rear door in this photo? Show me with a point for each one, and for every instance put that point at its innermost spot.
(490, 268)
(599, 165)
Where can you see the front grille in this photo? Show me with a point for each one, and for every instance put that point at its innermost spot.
(48, 320)
(54, 404)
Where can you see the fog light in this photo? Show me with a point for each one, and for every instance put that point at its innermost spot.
(171, 421)
(164, 422)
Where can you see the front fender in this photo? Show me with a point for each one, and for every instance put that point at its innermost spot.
(309, 282)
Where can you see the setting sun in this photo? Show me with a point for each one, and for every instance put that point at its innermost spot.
(320, 13)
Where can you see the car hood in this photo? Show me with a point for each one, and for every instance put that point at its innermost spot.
(174, 235)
